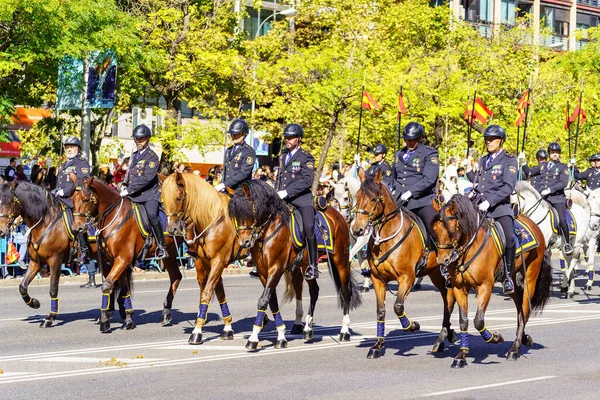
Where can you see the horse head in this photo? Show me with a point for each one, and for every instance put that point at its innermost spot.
(243, 213)
(373, 202)
(85, 202)
(174, 197)
(10, 208)
(345, 199)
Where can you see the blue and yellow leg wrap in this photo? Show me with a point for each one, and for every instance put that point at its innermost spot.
(203, 311)
(127, 302)
(563, 264)
(405, 321)
(464, 340)
(278, 319)
(260, 318)
(105, 302)
(27, 299)
(380, 329)
(486, 334)
(54, 306)
(225, 309)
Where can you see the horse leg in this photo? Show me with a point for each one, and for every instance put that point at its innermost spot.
(32, 270)
(377, 348)
(448, 298)
(313, 290)
(263, 302)
(298, 282)
(125, 294)
(54, 265)
(175, 277)
(281, 342)
(202, 278)
(107, 289)
(227, 333)
(484, 292)
(462, 299)
(404, 286)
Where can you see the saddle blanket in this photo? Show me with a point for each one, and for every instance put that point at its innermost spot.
(141, 217)
(570, 221)
(322, 231)
(524, 237)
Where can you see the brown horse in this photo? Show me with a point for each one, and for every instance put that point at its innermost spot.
(195, 209)
(394, 249)
(122, 243)
(49, 243)
(466, 246)
(262, 225)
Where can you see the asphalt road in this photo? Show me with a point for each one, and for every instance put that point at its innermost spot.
(73, 360)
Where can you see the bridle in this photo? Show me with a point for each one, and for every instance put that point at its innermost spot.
(459, 250)
(256, 231)
(91, 198)
(180, 214)
(13, 215)
(377, 220)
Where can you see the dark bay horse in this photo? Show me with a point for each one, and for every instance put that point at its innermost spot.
(262, 225)
(394, 249)
(48, 243)
(195, 209)
(466, 245)
(121, 242)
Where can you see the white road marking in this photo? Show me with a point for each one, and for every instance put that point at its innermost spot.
(94, 360)
(539, 378)
(200, 348)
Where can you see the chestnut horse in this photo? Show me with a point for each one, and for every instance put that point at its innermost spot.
(48, 242)
(394, 250)
(262, 225)
(466, 246)
(195, 209)
(119, 236)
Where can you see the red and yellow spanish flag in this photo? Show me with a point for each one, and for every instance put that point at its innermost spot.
(567, 119)
(480, 113)
(578, 111)
(401, 105)
(522, 106)
(368, 103)
(12, 255)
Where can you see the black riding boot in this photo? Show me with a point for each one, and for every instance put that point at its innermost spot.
(312, 271)
(159, 235)
(567, 248)
(91, 283)
(422, 264)
(509, 266)
(84, 249)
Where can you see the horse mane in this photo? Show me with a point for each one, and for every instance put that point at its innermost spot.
(265, 200)
(36, 203)
(526, 187)
(202, 202)
(579, 199)
(466, 213)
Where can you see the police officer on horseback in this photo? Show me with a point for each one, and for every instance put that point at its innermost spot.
(591, 176)
(536, 180)
(494, 184)
(78, 166)
(141, 184)
(294, 181)
(380, 163)
(238, 161)
(415, 173)
(554, 178)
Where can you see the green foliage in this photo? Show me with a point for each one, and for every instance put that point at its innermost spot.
(44, 138)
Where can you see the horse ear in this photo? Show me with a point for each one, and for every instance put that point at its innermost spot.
(179, 179)
(361, 174)
(230, 190)
(378, 177)
(436, 205)
(246, 189)
(88, 182)
(452, 208)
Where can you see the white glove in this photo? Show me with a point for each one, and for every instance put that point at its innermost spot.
(124, 193)
(282, 194)
(356, 158)
(406, 195)
(573, 161)
(521, 156)
(484, 205)
(60, 193)
(545, 192)
(587, 192)
(220, 187)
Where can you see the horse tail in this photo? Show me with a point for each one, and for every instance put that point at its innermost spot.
(353, 287)
(543, 286)
(290, 292)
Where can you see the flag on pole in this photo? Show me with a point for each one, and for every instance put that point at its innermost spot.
(401, 105)
(369, 103)
(480, 112)
(522, 108)
(12, 255)
(578, 111)
(567, 119)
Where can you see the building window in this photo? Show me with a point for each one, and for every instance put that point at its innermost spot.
(479, 10)
(557, 19)
(507, 12)
(255, 19)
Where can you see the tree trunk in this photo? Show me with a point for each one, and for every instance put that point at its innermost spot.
(328, 139)
(438, 131)
(166, 162)
(96, 136)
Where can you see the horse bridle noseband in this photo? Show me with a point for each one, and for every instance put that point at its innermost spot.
(378, 220)
(458, 251)
(180, 215)
(92, 200)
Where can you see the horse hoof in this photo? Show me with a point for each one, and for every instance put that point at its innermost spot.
(438, 347)
(105, 326)
(459, 363)
(564, 289)
(226, 335)
(512, 355)
(167, 320)
(195, 338)
(414, 327)
(122, 314)
(281, 344)
(128, 325)
(500, 338)
(527, 340)
(297, 329)
(588, 287)
(35, 303)
(308, 335)
(452, 336)
(374, 353)
(252, 346)
(344, 337)
(46, 323)
(571, 295)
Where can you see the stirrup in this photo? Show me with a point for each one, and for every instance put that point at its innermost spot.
(422, 264)
(253, 273)
(160, 253)
(312, 272)
(568, 249)
(508, 286)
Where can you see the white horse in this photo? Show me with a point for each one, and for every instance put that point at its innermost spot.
(593, 202)
(535, 207)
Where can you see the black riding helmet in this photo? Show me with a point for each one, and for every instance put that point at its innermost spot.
(554, 147)
(72, 141)
(293, 130)
(543, 154)
(380, 149)
(595, 157)
(413, 130)
(495, 131)
(238, 126)
(141, 131)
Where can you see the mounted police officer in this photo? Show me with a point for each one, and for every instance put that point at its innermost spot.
(542, 159)
(78, 166)
(591, 176)
(554, 178)
(294, 181)
(238, 161)
(142, 184)
(494, 184)
(415, 173)
(380, 163)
